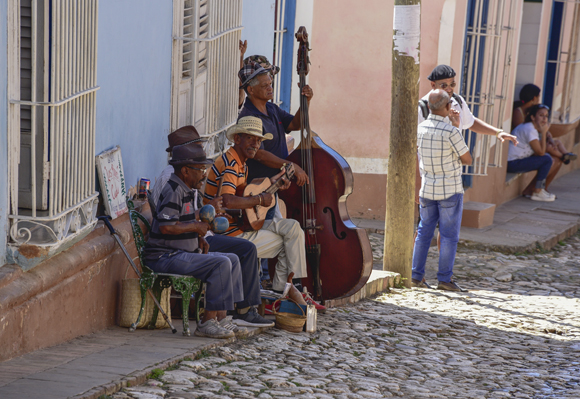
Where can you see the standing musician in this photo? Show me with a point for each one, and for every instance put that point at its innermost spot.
(278, 237)
(271, 156)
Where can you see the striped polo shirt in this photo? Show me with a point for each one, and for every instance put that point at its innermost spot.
(227, 169)
(176, 203)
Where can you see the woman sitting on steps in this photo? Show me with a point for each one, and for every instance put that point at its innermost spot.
(530, 96)
(530, 153)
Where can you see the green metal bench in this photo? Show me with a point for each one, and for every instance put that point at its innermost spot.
(185, 285)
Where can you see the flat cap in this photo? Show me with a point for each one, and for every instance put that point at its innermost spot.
(441, 72)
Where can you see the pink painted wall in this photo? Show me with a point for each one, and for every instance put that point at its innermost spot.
(350, 74)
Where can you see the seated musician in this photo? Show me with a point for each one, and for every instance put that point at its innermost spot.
(278, 237)
(246, 313)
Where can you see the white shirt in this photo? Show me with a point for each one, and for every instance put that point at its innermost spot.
(466, 118)
(525, 133)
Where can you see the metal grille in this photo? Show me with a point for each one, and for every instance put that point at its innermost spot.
(486, 76)
(68, 97)
(565, 105)
(278, 46)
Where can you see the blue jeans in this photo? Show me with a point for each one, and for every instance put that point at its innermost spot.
(448, 213)
(540, 163)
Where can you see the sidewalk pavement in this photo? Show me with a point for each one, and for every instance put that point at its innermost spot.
(98, 364)
(106, 361)
(522, 225)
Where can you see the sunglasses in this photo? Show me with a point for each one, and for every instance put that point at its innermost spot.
(445, 85)
(202, 170)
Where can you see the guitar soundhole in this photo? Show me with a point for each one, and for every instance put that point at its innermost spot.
(340, 236)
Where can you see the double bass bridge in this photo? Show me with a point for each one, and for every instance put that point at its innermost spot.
(311, 226)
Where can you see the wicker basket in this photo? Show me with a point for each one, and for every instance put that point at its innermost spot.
(131, 305)
(289, 321)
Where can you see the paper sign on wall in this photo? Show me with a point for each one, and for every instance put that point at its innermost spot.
(112, 180)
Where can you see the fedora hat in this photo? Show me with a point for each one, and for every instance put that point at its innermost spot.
(248, 125)
(183, 135)
(188, 154)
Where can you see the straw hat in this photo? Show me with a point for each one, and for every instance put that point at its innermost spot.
(248, 125)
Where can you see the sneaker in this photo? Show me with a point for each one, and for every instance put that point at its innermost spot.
(266, 284)
(420, 284)
(450, 286)
(566, 158)
(252, 319)
(544, 196)
(228, 325)
(309, 301)
(212, 329)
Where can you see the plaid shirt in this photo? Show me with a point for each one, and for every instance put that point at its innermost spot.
(440, 148)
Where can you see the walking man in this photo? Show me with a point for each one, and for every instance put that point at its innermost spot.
(442, 151)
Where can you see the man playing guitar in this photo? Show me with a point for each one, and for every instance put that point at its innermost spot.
(279, 237)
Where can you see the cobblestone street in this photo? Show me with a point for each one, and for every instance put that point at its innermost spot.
(515, 334)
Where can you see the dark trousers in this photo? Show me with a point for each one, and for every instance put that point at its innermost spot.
(246, 252)
(540, 163)
(220, 271)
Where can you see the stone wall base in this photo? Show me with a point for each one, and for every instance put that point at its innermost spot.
(74, 293)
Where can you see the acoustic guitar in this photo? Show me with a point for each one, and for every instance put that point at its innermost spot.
(255, 217)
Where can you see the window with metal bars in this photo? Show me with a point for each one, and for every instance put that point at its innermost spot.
(53, 141)
(205, 65)
(485, 76)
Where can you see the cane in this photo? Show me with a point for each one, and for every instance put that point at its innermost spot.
(116, 236)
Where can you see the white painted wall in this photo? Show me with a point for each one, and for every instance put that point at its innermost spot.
(258, 18)
(528, 48)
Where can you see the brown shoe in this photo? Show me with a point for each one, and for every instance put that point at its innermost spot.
(420, 284)
(450, 286)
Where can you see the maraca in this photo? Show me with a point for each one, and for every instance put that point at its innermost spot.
(207, 213)
(220, 225)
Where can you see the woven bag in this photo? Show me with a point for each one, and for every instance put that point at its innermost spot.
(131, 305)
(289, 321)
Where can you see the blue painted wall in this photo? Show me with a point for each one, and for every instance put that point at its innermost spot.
(258, 18)
(3, 131)
(134, 73)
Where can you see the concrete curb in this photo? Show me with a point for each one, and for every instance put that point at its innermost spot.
(140, 377)
(380, 281)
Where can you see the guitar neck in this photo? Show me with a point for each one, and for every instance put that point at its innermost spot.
(273, 188)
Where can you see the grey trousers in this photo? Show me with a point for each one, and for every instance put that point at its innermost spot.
(221, 273)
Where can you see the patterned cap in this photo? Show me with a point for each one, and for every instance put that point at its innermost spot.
(249, 72)
(262, 60)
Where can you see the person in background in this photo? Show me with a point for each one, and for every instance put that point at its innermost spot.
(530, 96)
(530, 153)
(443, 152)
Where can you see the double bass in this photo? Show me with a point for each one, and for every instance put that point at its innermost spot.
(338, 254)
